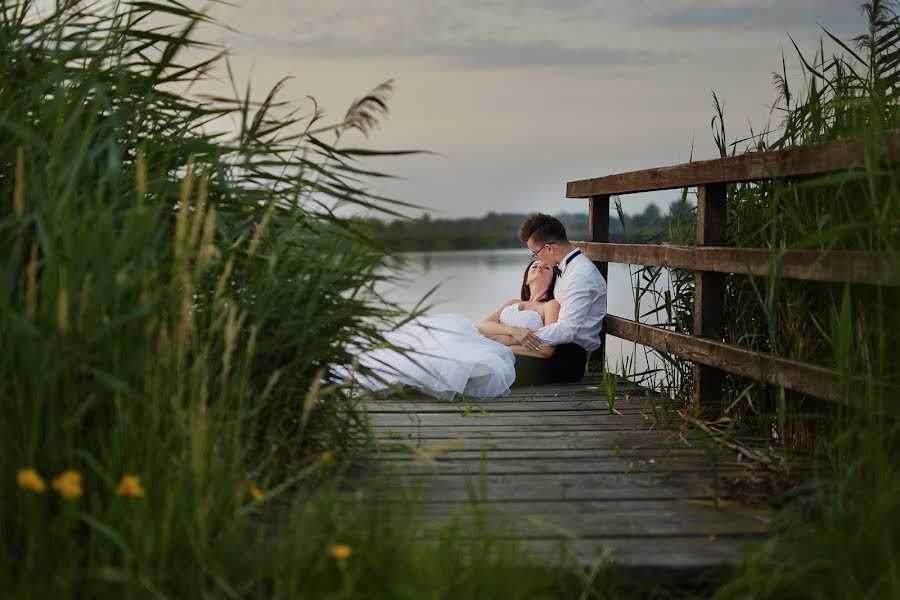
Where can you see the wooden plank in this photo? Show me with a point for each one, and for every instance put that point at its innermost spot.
(610, 436)
(589, 394)
(675, 559)
(538, 439)
(598, 226)
(559, 466)
(488, 432)
(576, 441)
(554, 486)
(806, 265)
(679, 510)
(598, 232)
(790, 374)
(659, 519)
(673, 454)
(527, 428)
(817, 159)
(517, 414)
(561, 406)
(477, 419)
(709, 295)
(554, 467)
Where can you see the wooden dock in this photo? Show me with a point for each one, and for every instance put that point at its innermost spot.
(561, 471)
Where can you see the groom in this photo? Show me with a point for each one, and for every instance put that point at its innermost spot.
(581, 292)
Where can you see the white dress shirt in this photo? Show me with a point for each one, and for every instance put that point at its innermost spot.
(581, 292)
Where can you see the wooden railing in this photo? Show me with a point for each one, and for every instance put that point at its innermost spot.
(712, 260)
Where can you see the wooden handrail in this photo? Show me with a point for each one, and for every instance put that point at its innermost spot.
(790, 374)
(807, 265)
(794, 375)
(710, 260)
(827, 157)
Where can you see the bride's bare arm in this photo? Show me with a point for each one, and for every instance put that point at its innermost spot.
(549, 314)
(543, 352)
(491, 326)
(506, 340)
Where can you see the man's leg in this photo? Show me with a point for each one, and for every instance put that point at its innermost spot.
(567, 364)
(532, 371)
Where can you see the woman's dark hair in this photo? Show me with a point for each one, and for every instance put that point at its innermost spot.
(526, 289)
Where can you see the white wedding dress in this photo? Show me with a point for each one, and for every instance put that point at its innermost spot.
(443, 355)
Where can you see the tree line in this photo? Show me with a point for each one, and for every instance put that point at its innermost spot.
(500, 230)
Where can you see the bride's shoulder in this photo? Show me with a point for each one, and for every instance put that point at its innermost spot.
(551, 307)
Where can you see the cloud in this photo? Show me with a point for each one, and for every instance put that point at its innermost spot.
(466, 34)
(756, 15)
(477, 54)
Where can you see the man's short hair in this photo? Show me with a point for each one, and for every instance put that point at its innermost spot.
(543, 228)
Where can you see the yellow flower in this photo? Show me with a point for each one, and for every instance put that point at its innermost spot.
(255, 492)
(130, 486)
(341, 551)
(326, 457)
(68, 485)
(30, 480)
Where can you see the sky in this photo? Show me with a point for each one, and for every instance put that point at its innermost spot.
(514, 98)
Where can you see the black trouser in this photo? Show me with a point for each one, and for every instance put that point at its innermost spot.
(565, 366)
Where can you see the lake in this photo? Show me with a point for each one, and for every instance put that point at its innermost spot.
(474, 283)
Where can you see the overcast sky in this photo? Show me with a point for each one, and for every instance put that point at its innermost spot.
(520, 96)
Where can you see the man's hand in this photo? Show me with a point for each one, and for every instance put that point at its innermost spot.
(526, 338)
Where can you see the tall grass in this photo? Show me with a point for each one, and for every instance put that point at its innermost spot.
(842, 538)
(173, 293)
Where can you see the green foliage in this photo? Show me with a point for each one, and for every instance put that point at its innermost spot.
(840, 539)
(172, 298)
(501, 230)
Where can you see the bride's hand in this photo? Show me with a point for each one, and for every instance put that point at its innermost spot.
(526, 338)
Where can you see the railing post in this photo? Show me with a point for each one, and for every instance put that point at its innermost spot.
(709, 292)
(598, 231)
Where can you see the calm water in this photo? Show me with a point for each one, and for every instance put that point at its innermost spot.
(475, 283)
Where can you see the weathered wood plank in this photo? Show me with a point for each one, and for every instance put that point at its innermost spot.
(794, 375)
(598, 231)
(601, 438)
(805, 265)
(637, 400)
(681, 510)
(505, 420)
(709, 293)
(586, 466)
(575, 441)
(670, 454)
(455, 432)
(653, 519)
(678, 559)
(562, 407)
(553, 464)
(555, 486)
(816, 159)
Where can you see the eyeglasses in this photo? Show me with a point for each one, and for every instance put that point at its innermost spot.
(534, 254)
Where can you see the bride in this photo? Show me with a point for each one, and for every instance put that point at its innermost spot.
(444, 355)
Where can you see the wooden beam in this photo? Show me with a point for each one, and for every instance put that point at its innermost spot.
(828, 157)
(709, 294)
(598, 227)
(598, 232)
(806, 265)
(802, 377)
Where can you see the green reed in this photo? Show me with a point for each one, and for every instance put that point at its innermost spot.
(172, 299)
(841, 532)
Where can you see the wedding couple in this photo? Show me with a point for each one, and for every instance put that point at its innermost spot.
(544, 336)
